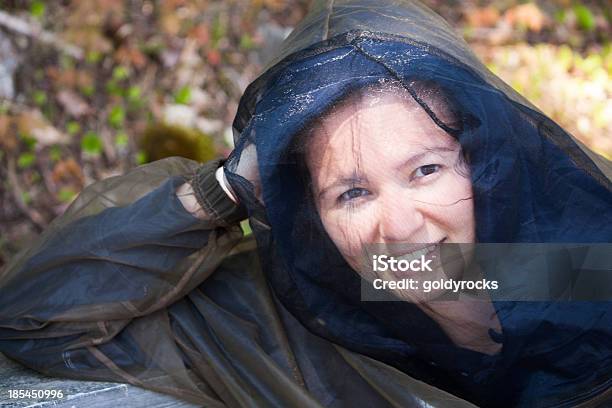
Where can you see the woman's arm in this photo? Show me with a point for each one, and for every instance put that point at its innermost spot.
(123, 260)
(126, 249)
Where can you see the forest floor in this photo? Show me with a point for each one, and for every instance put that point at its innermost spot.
(87, 87)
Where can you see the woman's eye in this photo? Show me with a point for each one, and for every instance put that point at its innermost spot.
(426, 170)
(352, 194)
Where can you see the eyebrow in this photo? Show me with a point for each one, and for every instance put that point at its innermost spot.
(413, 159)
(356, 179)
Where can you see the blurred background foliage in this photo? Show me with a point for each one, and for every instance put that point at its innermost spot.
(90, 89)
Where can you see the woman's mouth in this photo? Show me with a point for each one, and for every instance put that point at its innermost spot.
(421, 250)
(406, 260)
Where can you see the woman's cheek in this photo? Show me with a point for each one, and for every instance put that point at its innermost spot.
(350, 232)
(448, 189)
(458, 219)
(350, 229)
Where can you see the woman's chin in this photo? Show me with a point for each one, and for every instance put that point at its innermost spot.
(424, 275)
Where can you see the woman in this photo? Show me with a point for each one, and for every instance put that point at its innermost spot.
(414, 202)
(122, 286)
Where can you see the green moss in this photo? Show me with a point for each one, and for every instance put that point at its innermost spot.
(163, 140)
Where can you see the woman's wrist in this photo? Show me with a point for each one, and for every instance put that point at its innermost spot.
(206, 197)
(187, 197)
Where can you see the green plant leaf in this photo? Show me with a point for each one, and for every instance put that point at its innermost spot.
(246, 42)
(66, 194)
(116, 117)
(28, 140)
(141, 157)
(246, 227)
(37, 9)
(55, 153)
(584, 17)
(93, 57)
(88, 90)
(134, 93)
(183, 95)
(73, 127)
(39, 97)
(121, 139)
(120, 73)
(113, 88)
(91, 143)
(26, 160)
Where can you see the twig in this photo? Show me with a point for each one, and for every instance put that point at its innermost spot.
(32, 214)
(35, 31)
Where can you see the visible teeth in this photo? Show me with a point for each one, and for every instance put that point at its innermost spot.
(417, 254)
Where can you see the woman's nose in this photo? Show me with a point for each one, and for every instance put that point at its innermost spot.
(401, 219)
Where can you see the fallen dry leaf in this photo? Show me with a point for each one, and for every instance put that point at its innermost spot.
(274, 5)
(34, 124)
(213, 57)
(8, 141)
(73, 103)
(68, 171)
(170, 24)
(129, 55)
(63, 77)
(482, 17)
(526, 15)
(200, 34)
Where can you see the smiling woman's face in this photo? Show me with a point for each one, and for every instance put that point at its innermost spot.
(384, 173)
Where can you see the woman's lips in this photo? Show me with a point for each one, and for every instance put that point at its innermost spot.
(425, 251)
(411, 251)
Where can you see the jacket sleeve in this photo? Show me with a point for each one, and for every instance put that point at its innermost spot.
(85, 297)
